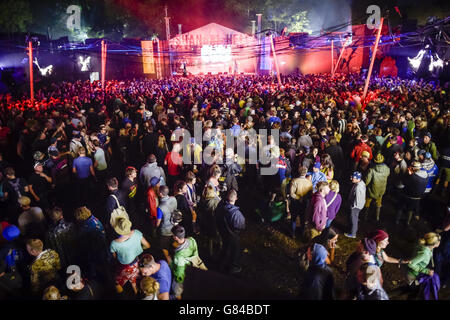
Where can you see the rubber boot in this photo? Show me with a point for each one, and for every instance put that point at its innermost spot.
(378, 213)
(410, 213)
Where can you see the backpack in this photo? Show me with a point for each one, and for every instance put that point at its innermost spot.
(176, 217)
(304, 258)
(119, 212)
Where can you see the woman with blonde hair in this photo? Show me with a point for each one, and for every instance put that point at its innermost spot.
(52, 293)
(327, 166)
(161, 149)
(150, 288)
(210, 200)
(334, 201)
(420, 275)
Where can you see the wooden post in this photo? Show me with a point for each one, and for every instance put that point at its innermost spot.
(276, 61)
(369, 73)
(30, 63)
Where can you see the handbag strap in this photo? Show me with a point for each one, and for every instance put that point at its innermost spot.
(117, 201)
(332, 200)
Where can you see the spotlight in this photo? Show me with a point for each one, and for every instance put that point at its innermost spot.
(85, 63)
(436, 63)
(44, 71)
(415, 62)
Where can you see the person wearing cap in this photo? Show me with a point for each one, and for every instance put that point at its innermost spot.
(39, 186)
(415, 185)
(376, 183)
(317, 175)
(153, 201)
(418, 267)
(430, 167)
(126, 249)
(150, 170)
(357, 199)
(359, 148)
(429, 146)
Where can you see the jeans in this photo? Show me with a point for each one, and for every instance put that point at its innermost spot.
(354, 214)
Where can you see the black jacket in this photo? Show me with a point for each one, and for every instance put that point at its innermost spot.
(230, 220)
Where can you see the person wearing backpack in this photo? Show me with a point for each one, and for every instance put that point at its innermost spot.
(115, 199)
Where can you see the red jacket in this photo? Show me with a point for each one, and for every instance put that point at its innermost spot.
(152, 204)
(358, 150)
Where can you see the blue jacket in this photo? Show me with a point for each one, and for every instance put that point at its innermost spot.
(317, 177)
(230, 220)
(432, 172)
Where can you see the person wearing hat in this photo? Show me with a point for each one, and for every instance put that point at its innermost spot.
(357, 198)
(415, 182)
(364, 253)
(430, 167)
(376, 182)
(418, 267)
(381, 238)
(126, 249)
(429, 146)
(317, 175)
(359, 148)
(39, 185)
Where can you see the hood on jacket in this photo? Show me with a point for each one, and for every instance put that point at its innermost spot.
(319, 256)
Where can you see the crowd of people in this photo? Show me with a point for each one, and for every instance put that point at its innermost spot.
(96, 194)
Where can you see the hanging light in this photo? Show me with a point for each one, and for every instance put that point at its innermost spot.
(415, 62)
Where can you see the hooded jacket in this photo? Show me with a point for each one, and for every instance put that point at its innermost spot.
(376, 180)
(416, 184)
(150, 170)
(319, 211)
(230, 220)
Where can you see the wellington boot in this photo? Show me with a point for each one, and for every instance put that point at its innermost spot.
(378, 213)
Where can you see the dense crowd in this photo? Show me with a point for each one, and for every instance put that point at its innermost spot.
(98, 179)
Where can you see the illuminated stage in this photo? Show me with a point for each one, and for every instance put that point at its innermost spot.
(213, 49)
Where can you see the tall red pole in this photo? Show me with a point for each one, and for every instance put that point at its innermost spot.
(366, 87)
(30, 62)
(103, 63)
(332, 57)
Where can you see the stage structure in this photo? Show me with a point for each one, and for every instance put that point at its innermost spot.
(213, 49)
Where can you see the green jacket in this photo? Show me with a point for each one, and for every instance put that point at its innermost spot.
(420, 262)
(181, 258)
(376, 180)
(431, 148)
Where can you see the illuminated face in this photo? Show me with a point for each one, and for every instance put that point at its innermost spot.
(146, 272)
(426, 139)
(383, 244)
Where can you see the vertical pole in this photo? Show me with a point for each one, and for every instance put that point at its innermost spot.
(366, 87)
(253, 27)
(103, 64)
(276, 61)
(332, 58)
(166, 18)
(258, 47)
(179, 28)
(30, 63)
(158, 65)
(339, 59)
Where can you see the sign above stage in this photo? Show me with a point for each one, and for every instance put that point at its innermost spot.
(211, 34)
